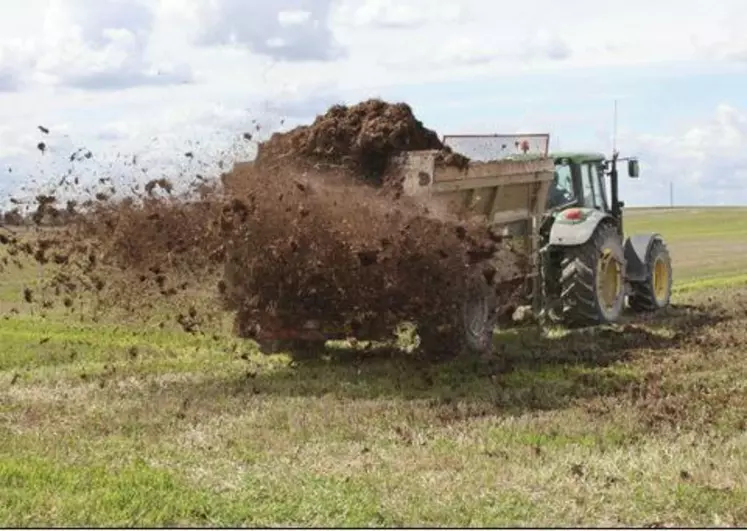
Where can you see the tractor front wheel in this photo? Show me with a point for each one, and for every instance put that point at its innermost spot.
(592, 280)
(655, 292)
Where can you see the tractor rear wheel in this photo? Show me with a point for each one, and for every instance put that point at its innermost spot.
(592, 280)
(655, 292)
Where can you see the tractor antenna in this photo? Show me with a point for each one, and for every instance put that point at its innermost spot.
(614, 129)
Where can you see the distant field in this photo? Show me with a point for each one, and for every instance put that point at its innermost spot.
(127, 424)
(708, 245)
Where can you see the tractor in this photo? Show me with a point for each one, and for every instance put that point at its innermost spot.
(583, 269)
(589, 267)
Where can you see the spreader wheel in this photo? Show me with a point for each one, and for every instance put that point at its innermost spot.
(479, 316)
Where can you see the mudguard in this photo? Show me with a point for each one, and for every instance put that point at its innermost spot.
(636, 250)
(569, 232)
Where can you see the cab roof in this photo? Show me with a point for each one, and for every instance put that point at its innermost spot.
(578, 157)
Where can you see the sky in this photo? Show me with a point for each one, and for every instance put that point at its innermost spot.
(140, 83)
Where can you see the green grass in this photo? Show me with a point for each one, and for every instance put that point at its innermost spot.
(688, 224)
(707, 244)
(113, 424)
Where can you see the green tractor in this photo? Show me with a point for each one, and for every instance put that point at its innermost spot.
(564, 210)
(589, 268)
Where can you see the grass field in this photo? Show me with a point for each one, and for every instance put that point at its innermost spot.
(641, 424)
(709, 246)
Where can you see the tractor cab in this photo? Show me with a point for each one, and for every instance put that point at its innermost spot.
(580, 182)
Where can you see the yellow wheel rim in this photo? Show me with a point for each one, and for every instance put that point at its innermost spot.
(661, 279)
(609, 279)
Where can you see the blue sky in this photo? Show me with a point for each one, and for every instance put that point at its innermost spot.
(154, 77)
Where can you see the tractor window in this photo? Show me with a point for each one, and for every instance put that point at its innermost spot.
(561, 189)
(593, 194)
(587, 188)
(597, 179)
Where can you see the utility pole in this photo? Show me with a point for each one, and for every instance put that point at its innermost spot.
(671, 194)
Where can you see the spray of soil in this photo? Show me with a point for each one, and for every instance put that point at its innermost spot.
(314, 235)
(362, 138)
(302, 250)
(307, 233)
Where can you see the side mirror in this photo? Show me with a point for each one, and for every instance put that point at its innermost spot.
(633, 170)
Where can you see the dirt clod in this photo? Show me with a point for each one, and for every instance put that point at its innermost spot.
(362, 138)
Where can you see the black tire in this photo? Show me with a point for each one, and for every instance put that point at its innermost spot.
(585, 280)
(479, 316)
(471, 331)
(656, 291)
(551, 313)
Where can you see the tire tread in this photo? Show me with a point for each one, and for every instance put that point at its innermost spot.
(642, 298)
(578, 292)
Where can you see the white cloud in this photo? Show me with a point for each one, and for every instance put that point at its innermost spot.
(707, 162)
(547, 44)
(10, 73)
(125, 43)
(722, 34)
(298, 29)
(118, 130)
(398, 14)
(293, 18)
(90, 44)
(16, 64)
(479, 54)
(12, 144)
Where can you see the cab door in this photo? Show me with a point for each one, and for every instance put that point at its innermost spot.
(592, 189)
